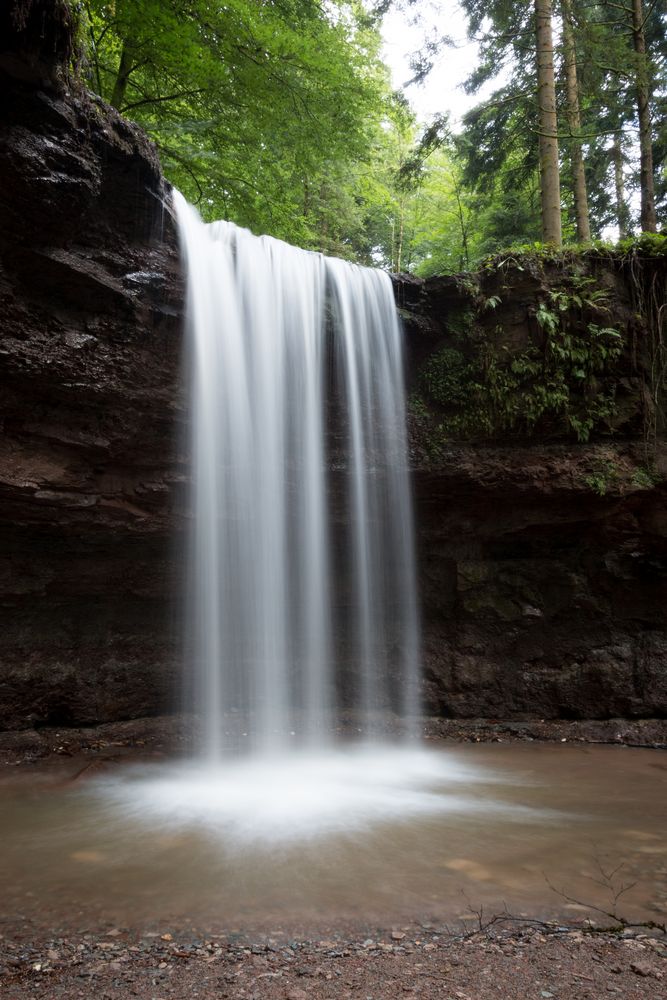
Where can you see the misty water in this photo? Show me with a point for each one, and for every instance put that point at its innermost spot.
(492, 825)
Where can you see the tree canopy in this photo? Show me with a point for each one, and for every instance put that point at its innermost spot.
(279, 115)
(266, 113)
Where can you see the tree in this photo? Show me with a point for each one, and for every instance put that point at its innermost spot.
(648, 217)
(574, 122)
(442, 234)
(518, 37)
(260, 111)
(548, 125)
(621, 49)
(622, 212)
(601, 75)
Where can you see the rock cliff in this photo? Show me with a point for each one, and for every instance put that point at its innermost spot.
(543, 559)
(90, 406)
(540, 484)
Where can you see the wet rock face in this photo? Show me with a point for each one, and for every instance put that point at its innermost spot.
(91, 410)
(543, 564)
(539, 596)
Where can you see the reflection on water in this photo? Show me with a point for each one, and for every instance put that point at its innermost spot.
(360, 836)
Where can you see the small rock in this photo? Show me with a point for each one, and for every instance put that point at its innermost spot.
(397, 935)
(641, 968)
(297, 995)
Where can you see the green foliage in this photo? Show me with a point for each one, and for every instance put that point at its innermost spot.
(534, 256)
(603, 477)
(560, 384)
(280, 117)
(648, 244)
(646, 478)
(556, 382)
(492, 302)
(267, 114)
(606, 476)
(446, 378)
(437, 213)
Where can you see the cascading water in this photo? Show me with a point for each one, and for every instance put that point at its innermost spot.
(302, 585)
(280, 338)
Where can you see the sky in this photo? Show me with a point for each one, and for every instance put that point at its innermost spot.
(442, 90)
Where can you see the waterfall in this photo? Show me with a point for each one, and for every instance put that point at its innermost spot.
(301, 600)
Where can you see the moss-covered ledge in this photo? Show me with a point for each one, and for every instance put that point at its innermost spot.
(540, 347)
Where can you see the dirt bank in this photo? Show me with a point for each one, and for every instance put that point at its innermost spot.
(503, 962)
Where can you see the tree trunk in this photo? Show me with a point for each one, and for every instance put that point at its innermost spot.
(648, 216)
(622, 214)
(122, 77)
(465, 254)
(401, 233)
(574, 122)
(548, 126)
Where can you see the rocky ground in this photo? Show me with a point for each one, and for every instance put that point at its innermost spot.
(503, 961)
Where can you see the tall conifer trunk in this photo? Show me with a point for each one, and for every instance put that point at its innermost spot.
(574, 122)
(548, 126)
(648, 216)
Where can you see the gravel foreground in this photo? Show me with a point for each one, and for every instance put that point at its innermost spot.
(427, 962)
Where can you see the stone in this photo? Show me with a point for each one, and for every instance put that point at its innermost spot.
(641, 968)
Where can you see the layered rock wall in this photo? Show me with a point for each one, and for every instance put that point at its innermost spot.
(91, 407)
(542, 560)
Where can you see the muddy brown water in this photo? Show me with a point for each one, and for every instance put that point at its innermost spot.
(555, 830)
